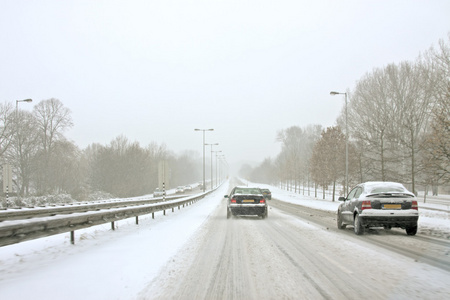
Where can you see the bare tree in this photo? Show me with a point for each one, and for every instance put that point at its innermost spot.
(411, 92)
(52, 120)
(437, 141)
(291, 139)
(23, 149)
(6, 127)
(371, 112)
(328, 159)
(186, 168)
(297, 145)
(66, 176)
(125, 169)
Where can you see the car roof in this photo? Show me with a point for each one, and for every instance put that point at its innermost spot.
(248, 188)
(372, 187)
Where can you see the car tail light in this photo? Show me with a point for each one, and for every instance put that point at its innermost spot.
(233, 200)
(414, 205)
(366, 205)
(262, 200)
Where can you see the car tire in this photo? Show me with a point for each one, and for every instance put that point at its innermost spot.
(411, 230)
(339, 221)
(264, 215)
(357, 225)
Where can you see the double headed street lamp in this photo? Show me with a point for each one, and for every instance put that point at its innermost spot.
(346, 140)
(212, 162)
(204, 153)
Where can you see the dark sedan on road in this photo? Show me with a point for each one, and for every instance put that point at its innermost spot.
(267, 194)
(246, 201)
(379, 204)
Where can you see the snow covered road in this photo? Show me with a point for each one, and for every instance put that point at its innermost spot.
(196, 253)
(284, 257)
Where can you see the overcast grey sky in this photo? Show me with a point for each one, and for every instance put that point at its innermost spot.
(155, 70)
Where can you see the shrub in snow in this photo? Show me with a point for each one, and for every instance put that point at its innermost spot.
(48, 200)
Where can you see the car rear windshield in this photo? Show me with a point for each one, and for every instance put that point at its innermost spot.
(387, 189)
(247, 191)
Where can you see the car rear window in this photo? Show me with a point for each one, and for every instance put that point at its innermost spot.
(248, 191)
(386, 189)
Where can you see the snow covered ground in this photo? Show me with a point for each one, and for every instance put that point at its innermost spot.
(106, 264)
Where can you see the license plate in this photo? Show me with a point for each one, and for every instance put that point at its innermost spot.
(248, 200)
(392, 206)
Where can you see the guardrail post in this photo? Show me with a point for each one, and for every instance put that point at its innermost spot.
(172, 209)
(112, 226)
(153, 215)
(137, 220)
(72, 237)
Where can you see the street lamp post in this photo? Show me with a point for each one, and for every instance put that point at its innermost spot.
(17, 104)
(212, 162)
(216, 152)
(211, 129)
(221, 160)
(219, 171)
(346, 140)
(224, 170)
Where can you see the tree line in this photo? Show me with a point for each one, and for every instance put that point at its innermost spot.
(398, 119)
(44, 161)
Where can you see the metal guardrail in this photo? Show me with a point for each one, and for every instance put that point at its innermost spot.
(33, 212)
(55, 220)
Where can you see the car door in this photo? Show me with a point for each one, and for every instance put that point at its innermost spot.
(354, 202)
(347, 207)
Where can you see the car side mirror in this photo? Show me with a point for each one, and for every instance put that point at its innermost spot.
(226, 196)
(342, 199)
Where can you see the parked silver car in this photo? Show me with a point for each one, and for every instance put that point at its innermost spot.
(379, 204)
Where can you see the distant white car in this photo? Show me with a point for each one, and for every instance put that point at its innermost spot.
(158, 193)
(188, 188)
(179, 190)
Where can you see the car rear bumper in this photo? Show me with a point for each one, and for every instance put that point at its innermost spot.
(247, 209)
(391, 218)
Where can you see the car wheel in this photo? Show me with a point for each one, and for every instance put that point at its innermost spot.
(264, 215)
(411, 230)
(339, 221)
(357, 225)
